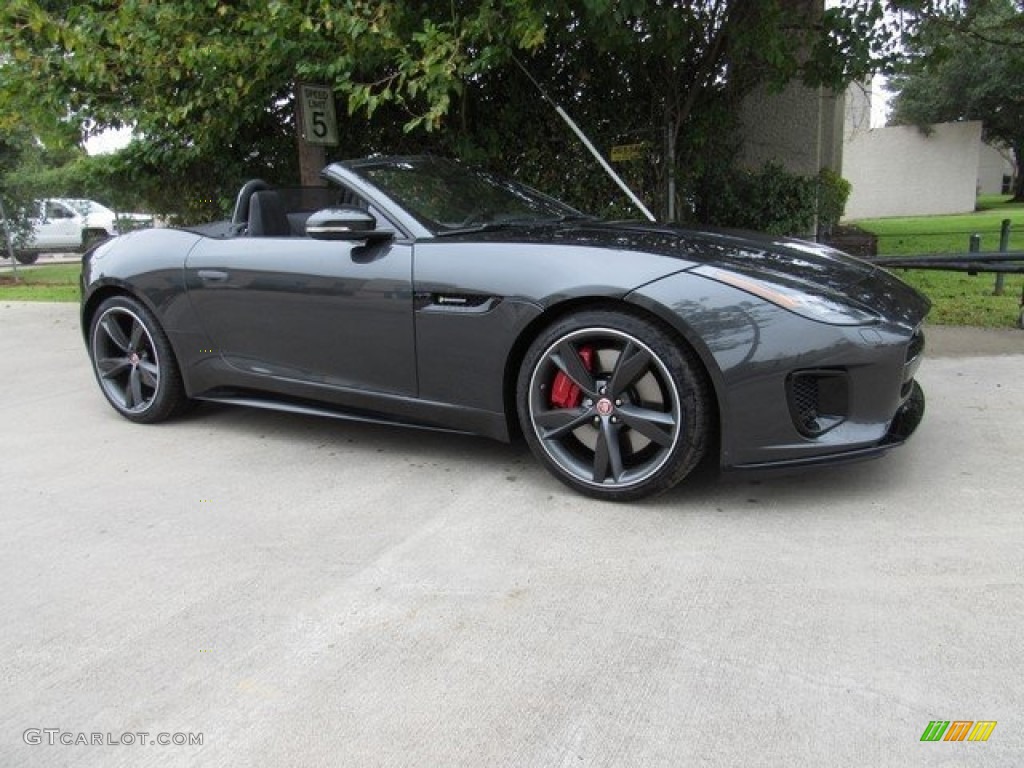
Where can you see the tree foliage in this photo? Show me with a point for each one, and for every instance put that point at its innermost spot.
(968, 64)
(209, 85)
(24, 165)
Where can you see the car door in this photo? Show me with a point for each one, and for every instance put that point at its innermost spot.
(58, 226)
(330, 312)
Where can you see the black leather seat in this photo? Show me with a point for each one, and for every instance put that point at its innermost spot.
(267, 217)
(240, 216)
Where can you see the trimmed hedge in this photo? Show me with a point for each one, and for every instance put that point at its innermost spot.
(775, 201)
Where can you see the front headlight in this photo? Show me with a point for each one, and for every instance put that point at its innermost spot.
(814, 306)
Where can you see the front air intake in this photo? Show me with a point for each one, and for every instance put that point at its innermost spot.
(818, 400)
(916, 345)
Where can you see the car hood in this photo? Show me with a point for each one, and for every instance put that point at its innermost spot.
(795, 264)
(817, 269)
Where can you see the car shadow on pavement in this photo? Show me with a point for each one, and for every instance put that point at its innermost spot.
(812, 488)
(738, 492)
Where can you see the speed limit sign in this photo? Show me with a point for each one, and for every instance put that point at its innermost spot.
(319, 123)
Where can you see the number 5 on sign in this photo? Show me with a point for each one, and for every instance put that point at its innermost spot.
(319, 123)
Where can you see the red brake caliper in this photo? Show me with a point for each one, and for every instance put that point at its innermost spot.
(565, 394)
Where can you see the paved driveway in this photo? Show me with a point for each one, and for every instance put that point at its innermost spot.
(301, 592)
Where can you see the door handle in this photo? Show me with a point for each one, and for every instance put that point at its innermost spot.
(213, 275)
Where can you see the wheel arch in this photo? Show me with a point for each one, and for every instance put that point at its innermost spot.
(554, 313)
(166, 399)
(107, 291)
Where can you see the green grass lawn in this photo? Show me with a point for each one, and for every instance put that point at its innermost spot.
(949, 234)
(958, 298)
(47, 282)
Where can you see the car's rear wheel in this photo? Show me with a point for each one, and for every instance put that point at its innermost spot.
(26, 257)
(134, 363)
(613, 405)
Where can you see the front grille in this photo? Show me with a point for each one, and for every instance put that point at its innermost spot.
(916, 346)
(914, 350)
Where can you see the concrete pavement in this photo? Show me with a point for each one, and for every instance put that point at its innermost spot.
(306, 592)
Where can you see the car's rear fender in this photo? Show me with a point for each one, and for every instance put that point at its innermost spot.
(147, 265)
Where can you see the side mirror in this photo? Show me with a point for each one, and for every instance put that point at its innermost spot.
(344, 223)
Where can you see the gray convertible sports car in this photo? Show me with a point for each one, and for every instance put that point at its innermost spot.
(415, 290)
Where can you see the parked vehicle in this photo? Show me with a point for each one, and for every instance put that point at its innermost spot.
(418, 291)
(66, 225)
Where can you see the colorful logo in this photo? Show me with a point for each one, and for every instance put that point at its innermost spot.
(958, 730)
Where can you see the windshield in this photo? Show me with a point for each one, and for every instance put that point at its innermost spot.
(449, 197)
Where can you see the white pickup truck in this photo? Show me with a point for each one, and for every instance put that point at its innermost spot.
(65, 225)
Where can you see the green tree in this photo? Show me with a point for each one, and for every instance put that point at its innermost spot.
(968, 64)
(670, 75)
(25, 163)
(210, 85)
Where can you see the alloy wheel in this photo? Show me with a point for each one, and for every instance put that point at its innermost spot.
(605, 408)
(126, 360)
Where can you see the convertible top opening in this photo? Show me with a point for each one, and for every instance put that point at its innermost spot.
(262, 210)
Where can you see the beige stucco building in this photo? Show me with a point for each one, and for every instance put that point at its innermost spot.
(893, 171)
(902, 171)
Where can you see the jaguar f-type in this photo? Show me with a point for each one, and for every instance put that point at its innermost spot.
(419, 291)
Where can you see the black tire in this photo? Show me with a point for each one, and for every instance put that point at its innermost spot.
(26, 257)
(133, 362)
(613, 406)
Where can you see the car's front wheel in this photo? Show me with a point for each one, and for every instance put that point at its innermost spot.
(613, 405)
(26, 257)
(134, 363)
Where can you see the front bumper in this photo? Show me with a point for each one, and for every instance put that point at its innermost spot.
(903, 425)
(792, 391)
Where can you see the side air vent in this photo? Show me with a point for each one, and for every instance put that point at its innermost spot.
(818, 400)
(455, 303)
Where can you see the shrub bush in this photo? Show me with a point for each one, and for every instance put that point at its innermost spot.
(775, 201)
(833, 192)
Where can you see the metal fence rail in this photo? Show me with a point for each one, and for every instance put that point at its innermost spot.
(975, 261)
(971, 262)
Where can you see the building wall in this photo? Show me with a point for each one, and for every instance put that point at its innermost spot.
(857, 117)
(993, 165)
(797, 128)
(900, 171)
